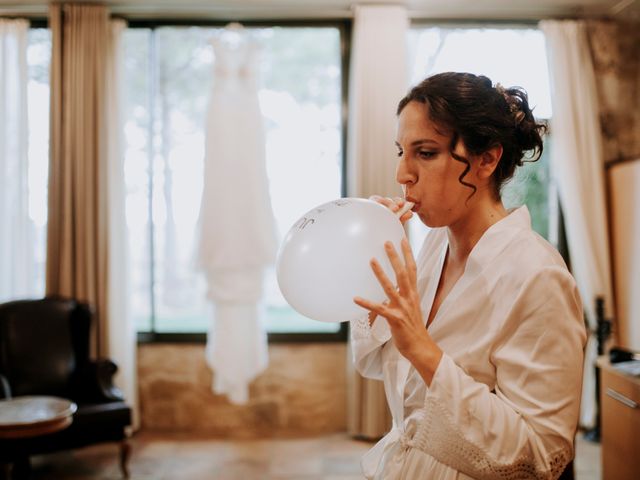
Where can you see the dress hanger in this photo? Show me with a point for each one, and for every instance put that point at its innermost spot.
(234, 27)
(233, 35)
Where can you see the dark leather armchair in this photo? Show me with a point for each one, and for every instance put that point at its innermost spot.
(44, 350)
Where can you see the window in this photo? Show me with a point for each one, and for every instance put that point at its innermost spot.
(513, 56)
(168, 74)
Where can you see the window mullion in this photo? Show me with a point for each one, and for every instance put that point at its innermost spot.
(153, 82)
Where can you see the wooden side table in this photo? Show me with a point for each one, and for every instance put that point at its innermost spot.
(32, 416)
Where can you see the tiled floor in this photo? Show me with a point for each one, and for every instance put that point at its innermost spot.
(588, 464)
(180, 457)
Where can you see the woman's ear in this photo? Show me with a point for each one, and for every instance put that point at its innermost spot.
(488, 161)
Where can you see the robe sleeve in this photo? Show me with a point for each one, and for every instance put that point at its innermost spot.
(525, 428)
(367, 342)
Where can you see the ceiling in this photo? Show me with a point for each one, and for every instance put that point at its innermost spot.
(283, 9)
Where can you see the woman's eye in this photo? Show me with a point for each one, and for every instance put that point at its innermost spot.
(426, 154)
(399, 153)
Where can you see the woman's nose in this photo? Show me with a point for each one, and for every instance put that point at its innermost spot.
(404, 174)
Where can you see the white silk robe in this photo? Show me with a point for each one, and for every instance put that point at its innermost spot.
(505, 398)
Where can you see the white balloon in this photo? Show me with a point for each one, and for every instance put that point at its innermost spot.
(323, 261)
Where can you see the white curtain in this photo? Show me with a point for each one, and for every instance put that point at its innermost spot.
(379, 79)
(121, 333)
(578, 166)
(17, 256)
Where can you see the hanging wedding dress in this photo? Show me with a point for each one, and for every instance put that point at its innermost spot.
(237, 229)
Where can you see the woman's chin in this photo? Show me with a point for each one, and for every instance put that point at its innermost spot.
(431, 220)
(428, 220)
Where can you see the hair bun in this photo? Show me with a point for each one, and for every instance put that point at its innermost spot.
(519, 117)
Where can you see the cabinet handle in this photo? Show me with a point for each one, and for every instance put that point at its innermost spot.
(621, 398)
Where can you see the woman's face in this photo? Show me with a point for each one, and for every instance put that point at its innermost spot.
(427, 171)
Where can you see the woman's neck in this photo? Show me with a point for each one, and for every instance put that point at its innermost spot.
(467, 231)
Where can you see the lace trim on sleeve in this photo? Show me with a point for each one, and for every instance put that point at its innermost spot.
(360, 328)
(438, 436)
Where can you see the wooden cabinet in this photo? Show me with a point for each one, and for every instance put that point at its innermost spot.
(624, 211)
(620, 417)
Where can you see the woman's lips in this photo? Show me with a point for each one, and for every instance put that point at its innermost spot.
(416, 204)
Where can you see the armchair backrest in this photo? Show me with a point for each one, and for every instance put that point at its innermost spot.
(42, 342)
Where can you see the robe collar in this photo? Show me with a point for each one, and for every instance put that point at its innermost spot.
(491, 244)
(496, 238)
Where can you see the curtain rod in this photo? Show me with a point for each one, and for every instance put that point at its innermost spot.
(42, 21)
(39, 12)
(38, 18)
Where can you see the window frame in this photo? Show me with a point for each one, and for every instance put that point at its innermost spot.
(344, 28)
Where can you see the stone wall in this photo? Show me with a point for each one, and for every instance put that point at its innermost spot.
(303, 392)
(615, 48)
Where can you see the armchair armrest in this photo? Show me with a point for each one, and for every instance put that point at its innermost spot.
(5, 389)
(94, 382)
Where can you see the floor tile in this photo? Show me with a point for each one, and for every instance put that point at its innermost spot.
(166, 456)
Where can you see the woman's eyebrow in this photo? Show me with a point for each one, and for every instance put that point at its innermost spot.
(420, 142)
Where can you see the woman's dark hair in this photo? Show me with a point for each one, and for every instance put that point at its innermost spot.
(470, 108)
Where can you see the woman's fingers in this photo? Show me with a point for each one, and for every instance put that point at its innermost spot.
(398, 267)
(399, 201)
(368, 304)
(405, 273)
(388, 287)
(389, 203)
(406, 217)
(393, 204)
(380, 309)
(409, 261)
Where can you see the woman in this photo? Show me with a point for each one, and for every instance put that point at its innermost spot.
(490, 389)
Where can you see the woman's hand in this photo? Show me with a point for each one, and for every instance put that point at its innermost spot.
(403, 311)
(394, 204)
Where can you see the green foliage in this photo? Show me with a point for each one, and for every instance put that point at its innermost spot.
(530, 186)
(39, 53)
(303, 62)
(185, 70)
